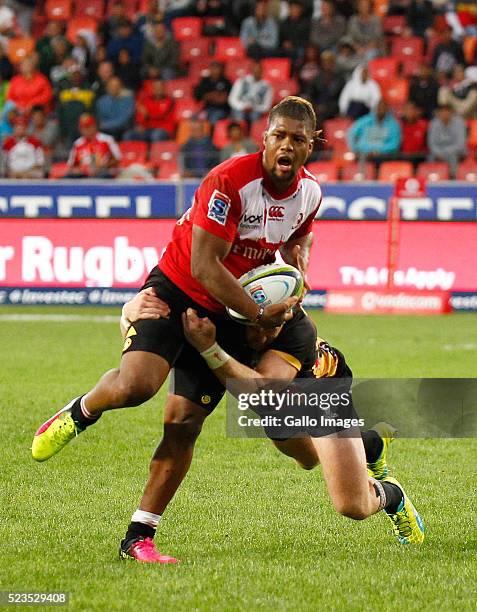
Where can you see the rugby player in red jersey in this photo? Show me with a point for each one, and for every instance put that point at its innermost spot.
(244, 211)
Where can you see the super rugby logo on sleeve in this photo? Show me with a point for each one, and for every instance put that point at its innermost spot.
(219, 206)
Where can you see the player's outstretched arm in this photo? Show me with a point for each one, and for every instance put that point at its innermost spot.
(208, 252)
(200, 333)
(144, 305)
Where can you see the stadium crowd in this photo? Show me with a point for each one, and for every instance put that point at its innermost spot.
(168, 88)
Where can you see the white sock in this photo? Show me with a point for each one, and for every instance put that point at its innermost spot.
(86, 413)
(148, 518)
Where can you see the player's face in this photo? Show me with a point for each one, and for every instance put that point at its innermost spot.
(258, 338)
(287, 145)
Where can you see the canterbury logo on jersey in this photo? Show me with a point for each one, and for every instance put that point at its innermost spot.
(276, 212)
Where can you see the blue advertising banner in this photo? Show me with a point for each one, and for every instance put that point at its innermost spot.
(451, 201)
(88, 199)
(116, 199)
(110, 296)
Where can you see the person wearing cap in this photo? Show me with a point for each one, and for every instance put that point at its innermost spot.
(23, 155)
(94, 154)
(447, 138)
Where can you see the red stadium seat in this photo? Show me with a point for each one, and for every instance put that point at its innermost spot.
(276, 69)
(409, 46)
(472, 133)
(227, 48)
(197, 48)
(470, 45)
(383, 68)
(58, 170)
(467, 171)
(409, 67)
(238, 68)
(324, 170)
(433, 171)
(169, 170)
(432, 43)
(90, 8)
(220, 137)
(199, 68)
(257, 129)
(391, 170)
(380, 7)
(187, 28)
(394, 24)
(80, 23)
(358, 172)
(285, 88)
(133, 152)
(19, 48)
(334, 131)
(58, 10)
(179, 88)
(186, 108)
(215, 23)
(395, 91)
(164, 151)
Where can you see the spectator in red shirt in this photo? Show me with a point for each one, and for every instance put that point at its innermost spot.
(23, 155)
(30, 88)
(94, 154)
(155, 116)
(414, 134)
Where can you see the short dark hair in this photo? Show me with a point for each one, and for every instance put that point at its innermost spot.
(294, 107)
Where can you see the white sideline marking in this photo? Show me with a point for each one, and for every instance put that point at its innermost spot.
(61, 318)
(466, 346)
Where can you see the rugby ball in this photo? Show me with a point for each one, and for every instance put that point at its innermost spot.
(269, 284)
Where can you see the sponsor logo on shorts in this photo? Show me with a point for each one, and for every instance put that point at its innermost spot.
(127, 344)
(206, 399)
(219, 205)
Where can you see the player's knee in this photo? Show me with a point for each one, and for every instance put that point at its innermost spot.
(132, 392)
(308, 464)
(183, 429)
(351, 508)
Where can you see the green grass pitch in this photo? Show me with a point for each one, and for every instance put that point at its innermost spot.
(253, 531)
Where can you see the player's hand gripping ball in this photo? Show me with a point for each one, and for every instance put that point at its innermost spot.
(269, 284)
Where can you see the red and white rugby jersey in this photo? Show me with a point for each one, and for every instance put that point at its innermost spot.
(84, 152)
(23, 154)
(237, 203)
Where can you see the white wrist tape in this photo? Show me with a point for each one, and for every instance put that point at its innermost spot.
(215, 357)
(125, 322)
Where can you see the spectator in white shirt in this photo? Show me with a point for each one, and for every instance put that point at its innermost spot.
(23, 155)
(251, 96)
